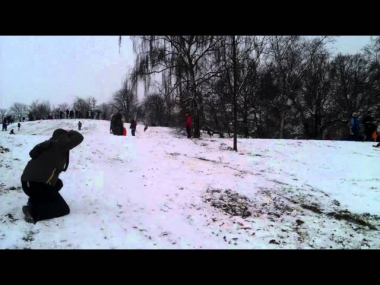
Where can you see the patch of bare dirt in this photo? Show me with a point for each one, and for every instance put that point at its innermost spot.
(229, 202)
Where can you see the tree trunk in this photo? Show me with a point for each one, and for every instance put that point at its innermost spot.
(195, 107)
(235, 97)
(216, 121)
(245, 126)
(258, 132)
(197, 132)
(316, 127)
(282, 124)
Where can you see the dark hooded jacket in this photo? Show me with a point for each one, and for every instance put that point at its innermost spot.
(117, 120)
(50, 157)
(133, 124)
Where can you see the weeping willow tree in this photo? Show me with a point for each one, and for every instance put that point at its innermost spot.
(184, 58)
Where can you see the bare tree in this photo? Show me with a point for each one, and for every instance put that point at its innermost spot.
(2, 113)
(286, 53)
(105, 109)
(372, 54)
(44, 109)
(311, 98)
(239, 59)
(91, 101)
(33, 111)
(265, 113)
(351, 86)
(39, 110)
(126, 100)
(82, 106)
(372, 51)
(153, 108)
(185, 58)
(273, 86)
(168, 91)
(314, 102)
(63, 107)
(19, 110)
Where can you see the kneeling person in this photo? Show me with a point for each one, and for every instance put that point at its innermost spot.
(40, 179)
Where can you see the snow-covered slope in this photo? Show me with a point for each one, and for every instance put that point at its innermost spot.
(160, 190)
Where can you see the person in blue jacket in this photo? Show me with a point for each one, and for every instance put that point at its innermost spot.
(354, 127)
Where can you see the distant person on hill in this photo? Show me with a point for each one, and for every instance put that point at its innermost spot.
(369, 126)
(111, 124)
(354, 127)
(4, 125)
(19, 126)
(375, 136)
(117, 124)
(79, 125)
(133, 127)
(40, 179)
(146, 127)
(12, 132)
(189, 125)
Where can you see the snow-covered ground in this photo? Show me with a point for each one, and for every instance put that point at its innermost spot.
(161, 190)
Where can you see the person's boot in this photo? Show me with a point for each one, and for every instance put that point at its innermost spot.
(28, 216)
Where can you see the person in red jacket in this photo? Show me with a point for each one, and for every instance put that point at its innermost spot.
(189, 125)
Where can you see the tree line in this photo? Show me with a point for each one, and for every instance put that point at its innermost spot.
(242, 86)
(257, 86)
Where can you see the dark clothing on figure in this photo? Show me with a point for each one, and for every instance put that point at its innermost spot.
(50, 157)
(117, 130)
(4, 125)
(369, 127)
(117, 124)
(44, 201)
(133, 127)
(355, 129)
(189, 125)
(366, 119)
(188, 130)
(40, 179)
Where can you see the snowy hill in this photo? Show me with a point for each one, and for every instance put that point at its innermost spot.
(158, 190)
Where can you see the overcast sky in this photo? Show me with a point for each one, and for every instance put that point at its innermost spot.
(59, 68)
